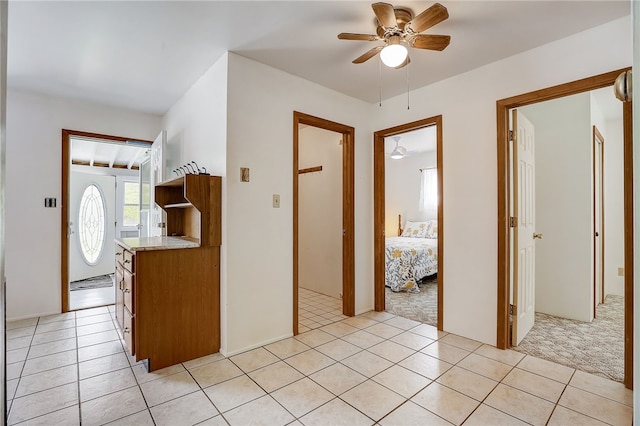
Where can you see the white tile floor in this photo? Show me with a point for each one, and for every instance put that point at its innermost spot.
(316, 310)
(90, 298)
(372, 369)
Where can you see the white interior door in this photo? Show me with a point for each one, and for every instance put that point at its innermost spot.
(598, 225)
(158, 149)
(523, 237)
(93, 256)
(145, 185)
(152, 172)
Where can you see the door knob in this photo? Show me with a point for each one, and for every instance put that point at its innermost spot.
(537, 236)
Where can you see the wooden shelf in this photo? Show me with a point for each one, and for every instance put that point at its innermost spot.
(192, 203)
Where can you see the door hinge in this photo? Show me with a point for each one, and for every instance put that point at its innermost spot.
(510, 135)
(513, 310)
(513, 222)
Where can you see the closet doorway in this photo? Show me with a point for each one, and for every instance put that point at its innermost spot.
(98, 171)
(339, 138)
(430, 222)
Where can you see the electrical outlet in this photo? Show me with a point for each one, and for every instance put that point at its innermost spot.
(620, 271)
(276, 201)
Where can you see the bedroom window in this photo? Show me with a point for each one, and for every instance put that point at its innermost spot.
(91, 224)
(429, 191)
(131, 204)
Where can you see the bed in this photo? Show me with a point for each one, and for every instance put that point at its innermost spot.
(412, 256)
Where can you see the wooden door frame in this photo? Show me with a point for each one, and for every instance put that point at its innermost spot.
(597, 136)
(379, 208)
(503, 107)
(348, 215)
(64, 201)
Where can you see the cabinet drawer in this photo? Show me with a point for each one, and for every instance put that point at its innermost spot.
(128, 261)
(119, 254)
(128, 288)
(129, 330)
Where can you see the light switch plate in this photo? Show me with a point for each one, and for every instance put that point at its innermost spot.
(244, 174)
(276, 201)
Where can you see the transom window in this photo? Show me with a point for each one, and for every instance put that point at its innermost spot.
(91, 224)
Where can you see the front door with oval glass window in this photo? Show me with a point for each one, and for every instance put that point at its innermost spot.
(92, 225)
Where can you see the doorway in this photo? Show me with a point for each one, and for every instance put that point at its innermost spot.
(507, 302)
(91, 166)
(346, 134)
(380, 219)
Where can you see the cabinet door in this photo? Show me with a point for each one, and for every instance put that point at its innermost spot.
(129, 331)
(128, 288)
(119, 296)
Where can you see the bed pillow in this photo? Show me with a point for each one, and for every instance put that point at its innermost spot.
(431, 229)
(414, 229)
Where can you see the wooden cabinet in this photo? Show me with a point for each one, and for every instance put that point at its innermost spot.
(168, 288)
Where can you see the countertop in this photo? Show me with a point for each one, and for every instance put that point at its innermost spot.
(157, 243)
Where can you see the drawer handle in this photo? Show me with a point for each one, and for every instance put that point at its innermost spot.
(126, 290)
(120, 284)
(126, 330)
(127, 261)
(118, 253)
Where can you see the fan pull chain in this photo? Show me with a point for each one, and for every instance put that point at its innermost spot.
(407, 67)
(379, 82)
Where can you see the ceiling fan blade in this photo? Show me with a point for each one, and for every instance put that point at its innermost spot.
(405, 63)
(368, 55)
(385, 14)
(430, 41)
(428, 18)
(353, 36)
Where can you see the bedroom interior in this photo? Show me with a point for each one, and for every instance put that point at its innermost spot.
(237, 115)
(579, 287)
(411, 243)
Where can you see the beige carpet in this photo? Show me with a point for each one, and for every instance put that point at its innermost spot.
(596, 347)
(421, 306)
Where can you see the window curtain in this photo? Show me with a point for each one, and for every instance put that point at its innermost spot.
(429, 192)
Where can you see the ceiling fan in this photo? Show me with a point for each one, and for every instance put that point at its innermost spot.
(397, 27)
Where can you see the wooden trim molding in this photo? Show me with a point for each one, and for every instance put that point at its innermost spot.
(503, 107)
(379, 208)
(64, 202)
(348, 213)
(629, 273)
(310, 170)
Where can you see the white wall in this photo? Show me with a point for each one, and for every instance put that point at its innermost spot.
(320, 211)
(197, 131)
(33, 172)
(259, 241)
(614, 206)
(402, 189)
(563, 213)
(468, 105)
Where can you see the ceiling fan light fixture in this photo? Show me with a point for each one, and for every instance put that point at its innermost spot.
(394, 53)
(399, 151)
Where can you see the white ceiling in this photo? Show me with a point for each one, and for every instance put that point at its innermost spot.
(421, 140)
(144, 55)
(106, 154)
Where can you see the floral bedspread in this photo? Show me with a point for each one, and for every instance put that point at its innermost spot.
(408, 260)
